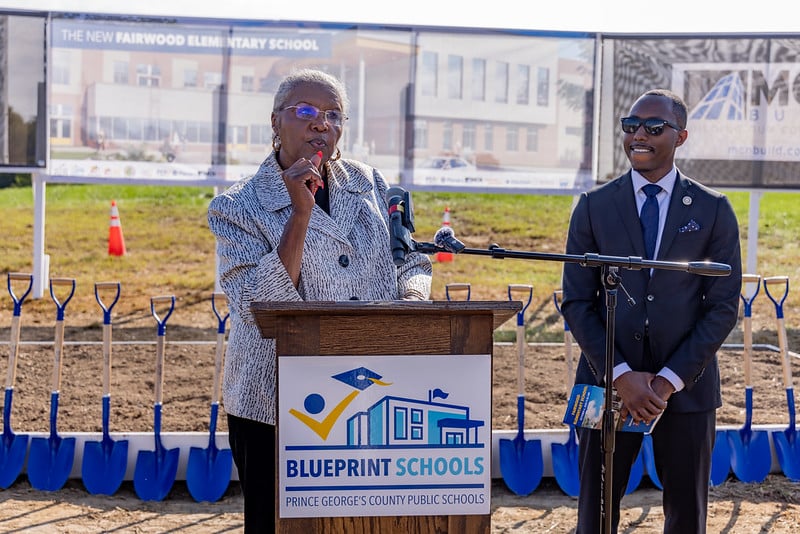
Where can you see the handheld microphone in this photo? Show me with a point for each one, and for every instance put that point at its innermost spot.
(446, 239)
(400, 223)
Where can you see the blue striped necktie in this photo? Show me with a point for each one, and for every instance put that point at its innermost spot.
(649, 219)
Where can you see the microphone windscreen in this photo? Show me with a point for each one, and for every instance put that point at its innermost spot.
(440, 238)
(395, 191)
(446, 239)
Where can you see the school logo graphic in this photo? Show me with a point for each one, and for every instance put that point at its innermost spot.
(384, 435)
(360, 379)
(409, 419)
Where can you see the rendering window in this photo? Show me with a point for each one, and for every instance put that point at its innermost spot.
(428, 73)
(455, 76)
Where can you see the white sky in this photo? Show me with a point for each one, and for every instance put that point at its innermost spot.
(608, 16)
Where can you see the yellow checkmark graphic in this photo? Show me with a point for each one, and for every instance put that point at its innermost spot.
(323, 428)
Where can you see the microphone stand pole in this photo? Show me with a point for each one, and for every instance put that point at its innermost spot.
(611, 281)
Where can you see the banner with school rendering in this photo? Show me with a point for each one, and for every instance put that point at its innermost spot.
(175, 101)
(188, 100)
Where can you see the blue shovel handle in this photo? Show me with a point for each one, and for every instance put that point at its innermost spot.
(559, 293)
(787, 373)
(747, 301)
(162, 333)
(556, 294)
(98, 288)
(222, 319)
(106, 307)
(778, 303)
(521, 350)
(748, 408)
(520, 417)
(457, 287)
(747, 329)
(61, 306)
(220, 350)
(160, 452)
(54, 418)
(526, 303)
(212, 426)
(15, 321)
(106, 417)
(157, 428)
(162, 322)
(791, 430)
(59, 336)
(7, 432)
(19, 300)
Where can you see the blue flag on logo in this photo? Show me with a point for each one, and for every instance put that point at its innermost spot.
(438, 393)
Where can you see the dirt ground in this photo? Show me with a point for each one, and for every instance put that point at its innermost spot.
(773, 506)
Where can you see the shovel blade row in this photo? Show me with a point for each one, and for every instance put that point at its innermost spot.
(720, 459)
(649, 458)
(788, 453)
(12, 457)
(636, 474)
(208, 473)
(565, 467)
(50, 462)
(521, 464)
(155, 474)
(104, 465)
(751, 457)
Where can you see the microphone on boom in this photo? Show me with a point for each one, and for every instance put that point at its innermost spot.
(446, 239)
(708, 268)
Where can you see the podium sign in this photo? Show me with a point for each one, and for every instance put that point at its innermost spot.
(448, 334)
(384, 435)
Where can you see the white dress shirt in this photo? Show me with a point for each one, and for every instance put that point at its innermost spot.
(667, 183)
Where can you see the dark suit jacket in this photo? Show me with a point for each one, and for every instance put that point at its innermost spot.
(689, 315)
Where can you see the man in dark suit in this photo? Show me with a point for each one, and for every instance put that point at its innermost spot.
(666, 343)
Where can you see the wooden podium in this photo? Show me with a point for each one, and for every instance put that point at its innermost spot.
(382, 328)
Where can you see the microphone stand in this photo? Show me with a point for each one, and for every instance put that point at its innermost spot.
(632, 263)
(610, 266)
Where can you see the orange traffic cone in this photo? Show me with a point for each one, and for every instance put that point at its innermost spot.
(116, 243)
(445, 256)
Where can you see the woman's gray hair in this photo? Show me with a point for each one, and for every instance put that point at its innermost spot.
(309, 76)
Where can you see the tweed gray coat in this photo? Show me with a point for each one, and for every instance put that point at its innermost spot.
(346, 256)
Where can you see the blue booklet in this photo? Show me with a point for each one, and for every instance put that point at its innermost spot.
(585, 409)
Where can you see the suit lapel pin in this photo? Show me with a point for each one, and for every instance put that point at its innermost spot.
(687, 200)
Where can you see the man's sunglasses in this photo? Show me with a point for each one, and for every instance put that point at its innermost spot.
(307, 112)
(653, 126)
